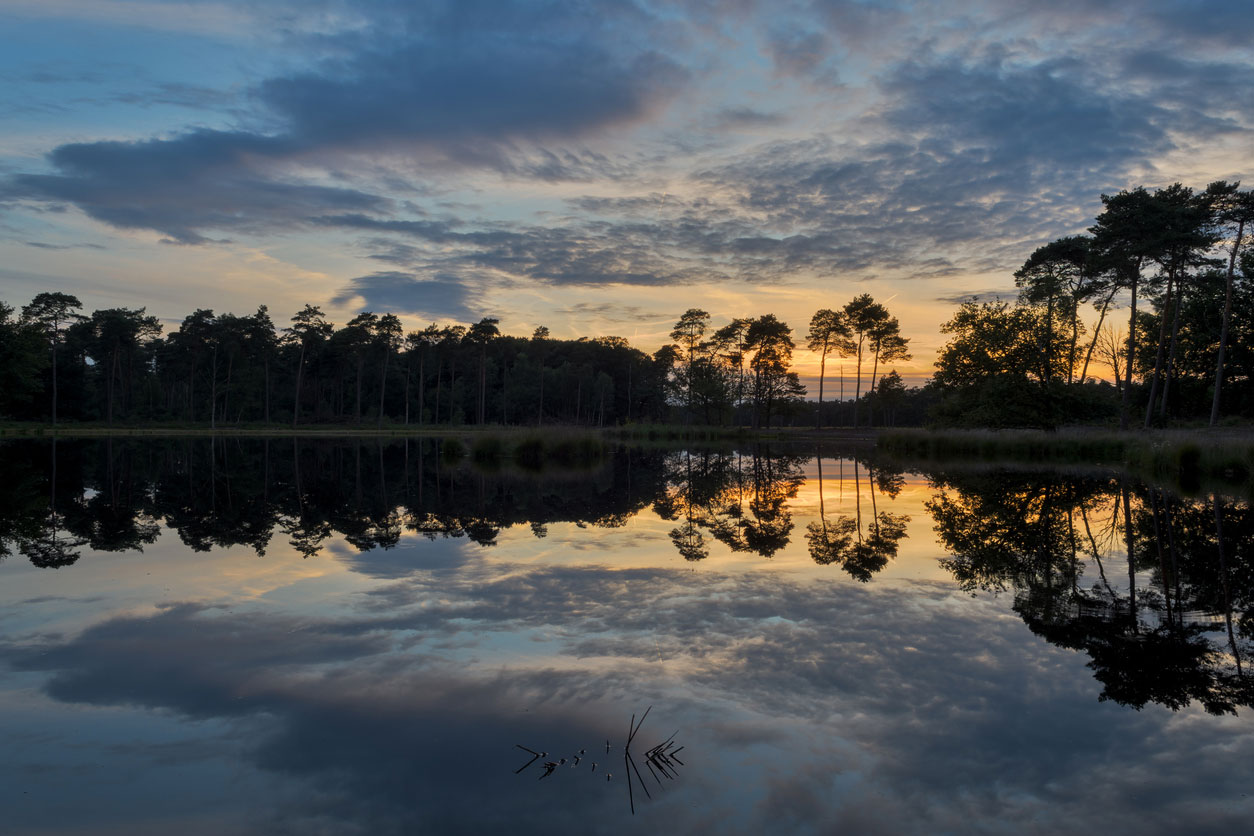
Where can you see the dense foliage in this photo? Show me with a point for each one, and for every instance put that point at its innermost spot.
(1029, 363)
(223, 369)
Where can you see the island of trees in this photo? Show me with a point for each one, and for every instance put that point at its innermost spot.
(1158, 296)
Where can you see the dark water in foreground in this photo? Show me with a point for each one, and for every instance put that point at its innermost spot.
(344, 638)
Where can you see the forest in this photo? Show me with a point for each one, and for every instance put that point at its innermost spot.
(1145, 320)
(222, 370)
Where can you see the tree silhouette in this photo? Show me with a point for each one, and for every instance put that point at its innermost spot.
(52, 313)
(827, 329)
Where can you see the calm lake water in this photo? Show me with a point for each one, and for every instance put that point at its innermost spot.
(340, 637)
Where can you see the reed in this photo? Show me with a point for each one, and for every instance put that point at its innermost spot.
(1188, 458)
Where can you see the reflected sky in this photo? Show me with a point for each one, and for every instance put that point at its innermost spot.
(385, 690)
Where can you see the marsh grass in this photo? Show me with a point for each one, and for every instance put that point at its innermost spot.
(1188, 458)
(680, 432)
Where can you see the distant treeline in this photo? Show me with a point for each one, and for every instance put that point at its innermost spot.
(58, 364)
(1174, 257)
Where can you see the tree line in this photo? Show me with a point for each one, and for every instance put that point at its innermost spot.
(117, 365)
(1177, 259)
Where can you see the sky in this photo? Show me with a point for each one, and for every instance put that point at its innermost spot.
(594, 167)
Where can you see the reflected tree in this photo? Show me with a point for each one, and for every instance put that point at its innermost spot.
(1176, 631)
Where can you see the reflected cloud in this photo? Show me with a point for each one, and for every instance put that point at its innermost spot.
(407, 738)
(809, 702)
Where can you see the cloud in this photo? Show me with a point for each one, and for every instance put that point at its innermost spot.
(823, 699)
(612, 312)
(396, 292)
(477, 84)
(800, 53)
(1027, 115)
(41, 245)
(735, 118)
(188, 185)
(951, 145)
(469, 91)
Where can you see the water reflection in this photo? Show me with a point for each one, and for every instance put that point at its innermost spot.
(446, 614)
(844, 540)
(110, 495)
(1177, 627)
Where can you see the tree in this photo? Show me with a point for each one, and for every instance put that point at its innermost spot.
(355, 340)
(309, 331)
(387, 337)
(687, 334)
(263, 344)
(1232, 208)
(1058, 276)
(985, 369)
(886, 345)
(773, 381)
(827, 328)
(419, 342)
(52, 312)
(1125, 236)
(116, 339)
(480, 334)
(864, 315)
(22, 361)
(730, 341)
(538, 338)
(889, 393)
(1183, 234)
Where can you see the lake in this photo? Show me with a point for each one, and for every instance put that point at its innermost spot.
(371, 637)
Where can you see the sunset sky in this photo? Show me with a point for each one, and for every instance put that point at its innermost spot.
(595, 167)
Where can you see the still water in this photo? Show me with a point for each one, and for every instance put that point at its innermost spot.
(353, 637)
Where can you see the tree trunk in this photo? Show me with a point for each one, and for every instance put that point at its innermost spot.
(439, 373)
(300, 372)
(361, 365)
(1223, 331)
(818, 418)
(857, 391)
(1125, 404)
(1075, 339)
(54, 356)
(1171, 353)
(1158, 355)
(226, 395)
(452, 386)
(540, 410)
(422, 385)
(213, 390)
(1049, 342)
(383, 385)
(870, 392)
(113, 372)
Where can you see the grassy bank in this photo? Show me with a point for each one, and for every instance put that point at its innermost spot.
(629, 432)
(1187, 458)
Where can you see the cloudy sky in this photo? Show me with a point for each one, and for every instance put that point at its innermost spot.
(596, 167)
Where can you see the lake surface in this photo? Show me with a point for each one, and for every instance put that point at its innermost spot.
(358, 637)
